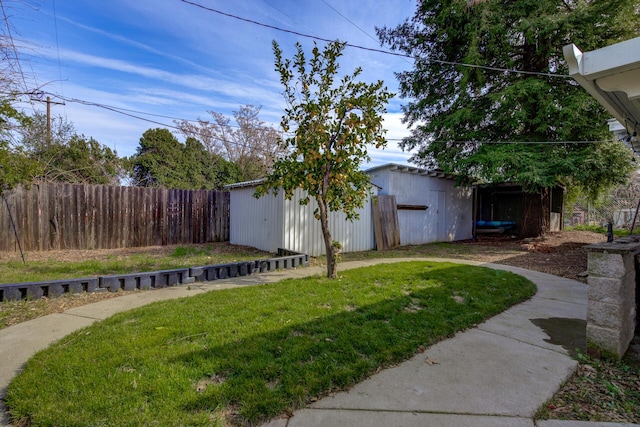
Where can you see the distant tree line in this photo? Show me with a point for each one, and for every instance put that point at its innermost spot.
(213, 154)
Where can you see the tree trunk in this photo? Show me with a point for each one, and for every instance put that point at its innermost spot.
(332, 271)
(535, 214)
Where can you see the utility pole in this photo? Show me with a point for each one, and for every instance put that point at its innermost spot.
(49, 102)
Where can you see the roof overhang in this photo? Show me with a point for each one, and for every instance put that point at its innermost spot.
(410, 169)
(612, 76)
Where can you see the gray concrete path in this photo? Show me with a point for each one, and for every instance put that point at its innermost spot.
(497, 374)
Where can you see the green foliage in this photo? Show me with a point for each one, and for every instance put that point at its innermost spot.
(15, 166)
(162, 161)
(81, 160)
(64, 156)
(332, 122)
(603, 167)
(37, 135)
(464, 116)
(253, 352)
(598, 229)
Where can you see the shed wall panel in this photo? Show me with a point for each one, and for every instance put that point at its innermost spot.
(256, 222)
(449, 213)
(272, 222)
(303, 233)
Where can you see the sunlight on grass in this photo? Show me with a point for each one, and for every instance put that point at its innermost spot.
(618, 232)
(249, 354)
(179, 257)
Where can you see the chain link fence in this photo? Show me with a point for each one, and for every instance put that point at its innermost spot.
(619, 212)
(618, 208)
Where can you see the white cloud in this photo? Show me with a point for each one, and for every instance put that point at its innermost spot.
(392, 153)
(173, 59)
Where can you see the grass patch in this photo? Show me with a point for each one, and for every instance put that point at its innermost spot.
(617, 232)
(249, 354)
(127, 261)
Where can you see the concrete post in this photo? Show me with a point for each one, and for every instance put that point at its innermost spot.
(611, 309)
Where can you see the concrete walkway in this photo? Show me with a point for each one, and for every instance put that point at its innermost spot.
(497, 374)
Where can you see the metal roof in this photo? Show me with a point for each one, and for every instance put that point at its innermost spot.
(252, 183)
(612, 76)
(411, 169)
(390, 166)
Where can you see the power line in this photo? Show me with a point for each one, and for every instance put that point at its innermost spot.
(55, 23)
(525, 142)
(122, 111)
(128, 112)
(504, 142)
(13, 48)
(386, 52)
(112, 108)
(350, 21)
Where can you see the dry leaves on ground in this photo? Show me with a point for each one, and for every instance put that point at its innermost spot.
(600, 390)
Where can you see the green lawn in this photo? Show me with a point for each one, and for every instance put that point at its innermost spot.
(246, 355)
(142, 260)
(617, 232)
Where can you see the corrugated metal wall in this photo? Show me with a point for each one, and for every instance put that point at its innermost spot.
(449, 213)
(302, 232)
(256, 222)
(272, 222)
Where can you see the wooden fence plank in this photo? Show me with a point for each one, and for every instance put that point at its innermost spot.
(102, 212)
(385, 222)
(92, 210)
(81, 216)
(43, 190)
(5, 225)
(74, 216)
(20, 219)
(36, 209)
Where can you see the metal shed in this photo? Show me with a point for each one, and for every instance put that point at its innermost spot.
(272, 222)
(430, 207)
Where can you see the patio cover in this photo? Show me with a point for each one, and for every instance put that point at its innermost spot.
(612, 76)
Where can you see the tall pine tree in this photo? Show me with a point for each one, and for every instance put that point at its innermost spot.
(489, 125)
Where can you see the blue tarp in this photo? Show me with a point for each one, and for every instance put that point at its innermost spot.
(496, 224)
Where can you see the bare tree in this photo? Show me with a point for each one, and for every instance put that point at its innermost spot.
(250, 143)
(10, 70)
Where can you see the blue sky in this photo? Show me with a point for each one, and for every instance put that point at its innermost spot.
(170, 58)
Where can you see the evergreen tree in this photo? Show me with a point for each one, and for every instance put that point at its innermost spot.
(490, 125)
(162, 161)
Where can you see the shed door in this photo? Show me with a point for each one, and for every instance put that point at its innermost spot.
(438, 203)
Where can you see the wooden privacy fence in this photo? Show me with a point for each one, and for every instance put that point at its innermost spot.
(74, 216)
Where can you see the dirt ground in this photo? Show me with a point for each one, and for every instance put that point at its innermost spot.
(561, 254)
(101, 254)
